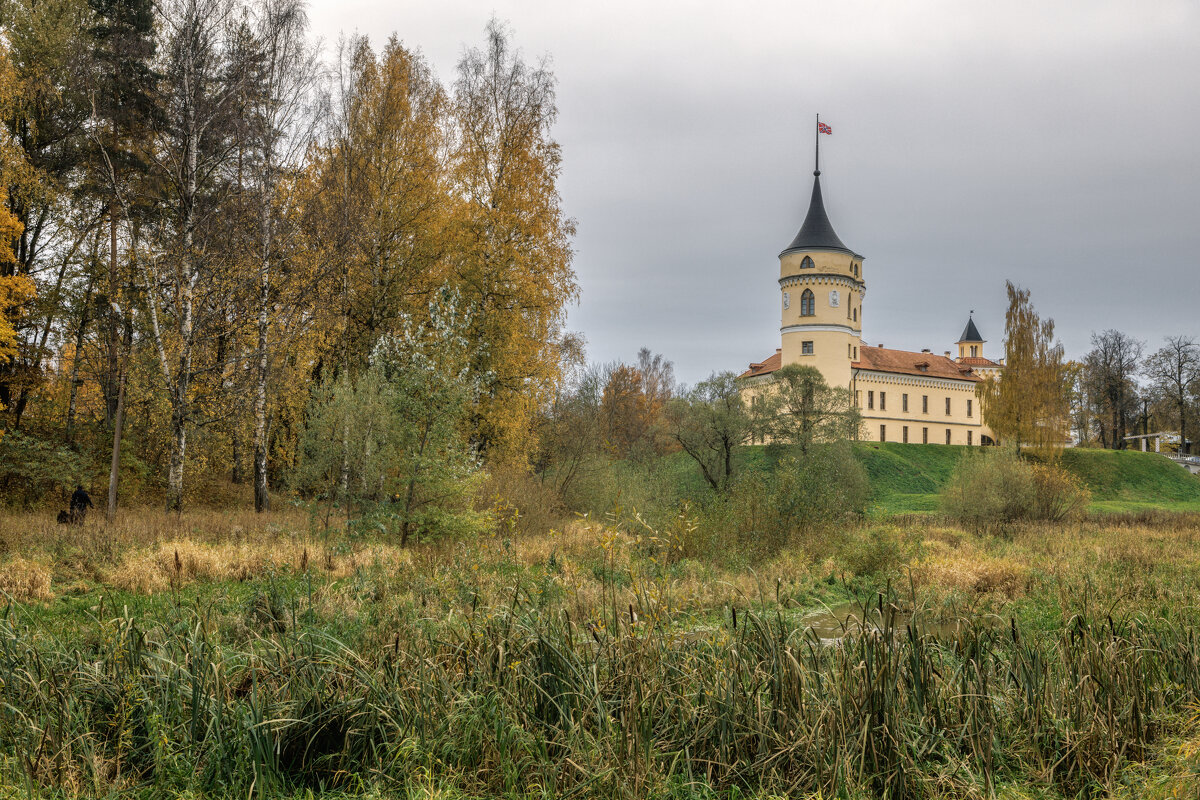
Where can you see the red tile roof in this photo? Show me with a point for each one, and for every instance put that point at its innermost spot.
(881, 359)
(764, 367)
(978, 361)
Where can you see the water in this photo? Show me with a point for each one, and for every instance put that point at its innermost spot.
(830, 625)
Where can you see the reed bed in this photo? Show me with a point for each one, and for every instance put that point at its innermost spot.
(597, 662)
(517, 702)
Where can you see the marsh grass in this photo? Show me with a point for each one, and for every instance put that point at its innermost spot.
(601, 661)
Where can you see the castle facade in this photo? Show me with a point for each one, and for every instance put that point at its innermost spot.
(904, 396)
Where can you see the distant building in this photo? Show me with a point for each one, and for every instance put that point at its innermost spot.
(904, 396)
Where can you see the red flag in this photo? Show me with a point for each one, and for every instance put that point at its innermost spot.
(823, 128)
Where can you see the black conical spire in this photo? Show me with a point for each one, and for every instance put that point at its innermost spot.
(817, 231)
(970, 333)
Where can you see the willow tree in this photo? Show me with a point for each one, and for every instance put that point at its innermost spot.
(514, 254)
(1029, 404)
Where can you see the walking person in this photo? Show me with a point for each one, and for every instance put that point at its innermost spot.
(81, 501)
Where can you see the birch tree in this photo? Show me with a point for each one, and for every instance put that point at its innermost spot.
(199, 89)
(283, 118)
(514, 259)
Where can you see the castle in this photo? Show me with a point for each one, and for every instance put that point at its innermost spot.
(903, 396)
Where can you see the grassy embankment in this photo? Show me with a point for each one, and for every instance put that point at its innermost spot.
(907, 478)
(224, 654)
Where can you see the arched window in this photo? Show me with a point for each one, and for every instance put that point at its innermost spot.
(856, 315)
(807, 263)
(808, 303)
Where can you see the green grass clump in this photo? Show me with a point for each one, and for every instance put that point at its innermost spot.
(515, 702)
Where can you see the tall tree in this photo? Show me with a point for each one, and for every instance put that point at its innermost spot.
(514, 260)
(200, 87)
(1174, 371)
(44, 120)
(1029, 404)
(282, 110)
(121, 96)
(15, 289)
(1112, 364)
(377, 202)
(804, 410)
(710, 424)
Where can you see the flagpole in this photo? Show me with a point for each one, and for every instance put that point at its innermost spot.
(817, 159)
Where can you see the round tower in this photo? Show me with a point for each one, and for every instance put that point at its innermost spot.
(822, 288)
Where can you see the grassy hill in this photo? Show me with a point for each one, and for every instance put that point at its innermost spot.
(908, 477)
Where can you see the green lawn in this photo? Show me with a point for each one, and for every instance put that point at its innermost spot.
(906, 478)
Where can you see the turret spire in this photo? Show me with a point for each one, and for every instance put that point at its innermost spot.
(817, 231)
(970, 333)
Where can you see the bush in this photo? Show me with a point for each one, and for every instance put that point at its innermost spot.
(765, 512)
(876, 551)
(1060, 495)
(995, 487)
(520, 502)
(32, 469)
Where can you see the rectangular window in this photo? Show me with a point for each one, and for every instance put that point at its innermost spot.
(924, 404)
(883, 401)
(883, 433)
(870, 399)
(904, 403)
(857, 399)
(848, 350)
(947, 436)
(856, 354)
(969, 437)
(924, 435)
(968, 408)
(947, 406)
(806, 348)
(904, 434)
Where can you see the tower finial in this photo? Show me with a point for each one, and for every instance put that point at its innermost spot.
(817, 137)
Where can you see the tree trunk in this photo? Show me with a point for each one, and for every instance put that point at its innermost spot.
(236, 474)
(262, 501)
(114, 471)
(179, 391)
(1183, 442)
(178, 453)
(74, 391)
(111, 379)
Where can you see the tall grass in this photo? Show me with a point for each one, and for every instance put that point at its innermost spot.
(518, 701)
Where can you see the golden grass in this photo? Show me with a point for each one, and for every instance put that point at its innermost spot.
(23, 579)
(183, 561)
(966, 569)
(149, 552)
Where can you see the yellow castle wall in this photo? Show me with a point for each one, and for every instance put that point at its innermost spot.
(881, 399)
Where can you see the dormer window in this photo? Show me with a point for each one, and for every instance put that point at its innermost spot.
(807, 263)
(923, 366)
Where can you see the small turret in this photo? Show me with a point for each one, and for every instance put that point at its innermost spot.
(970, 344)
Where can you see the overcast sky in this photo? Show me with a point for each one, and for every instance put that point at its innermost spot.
(1055, 144)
